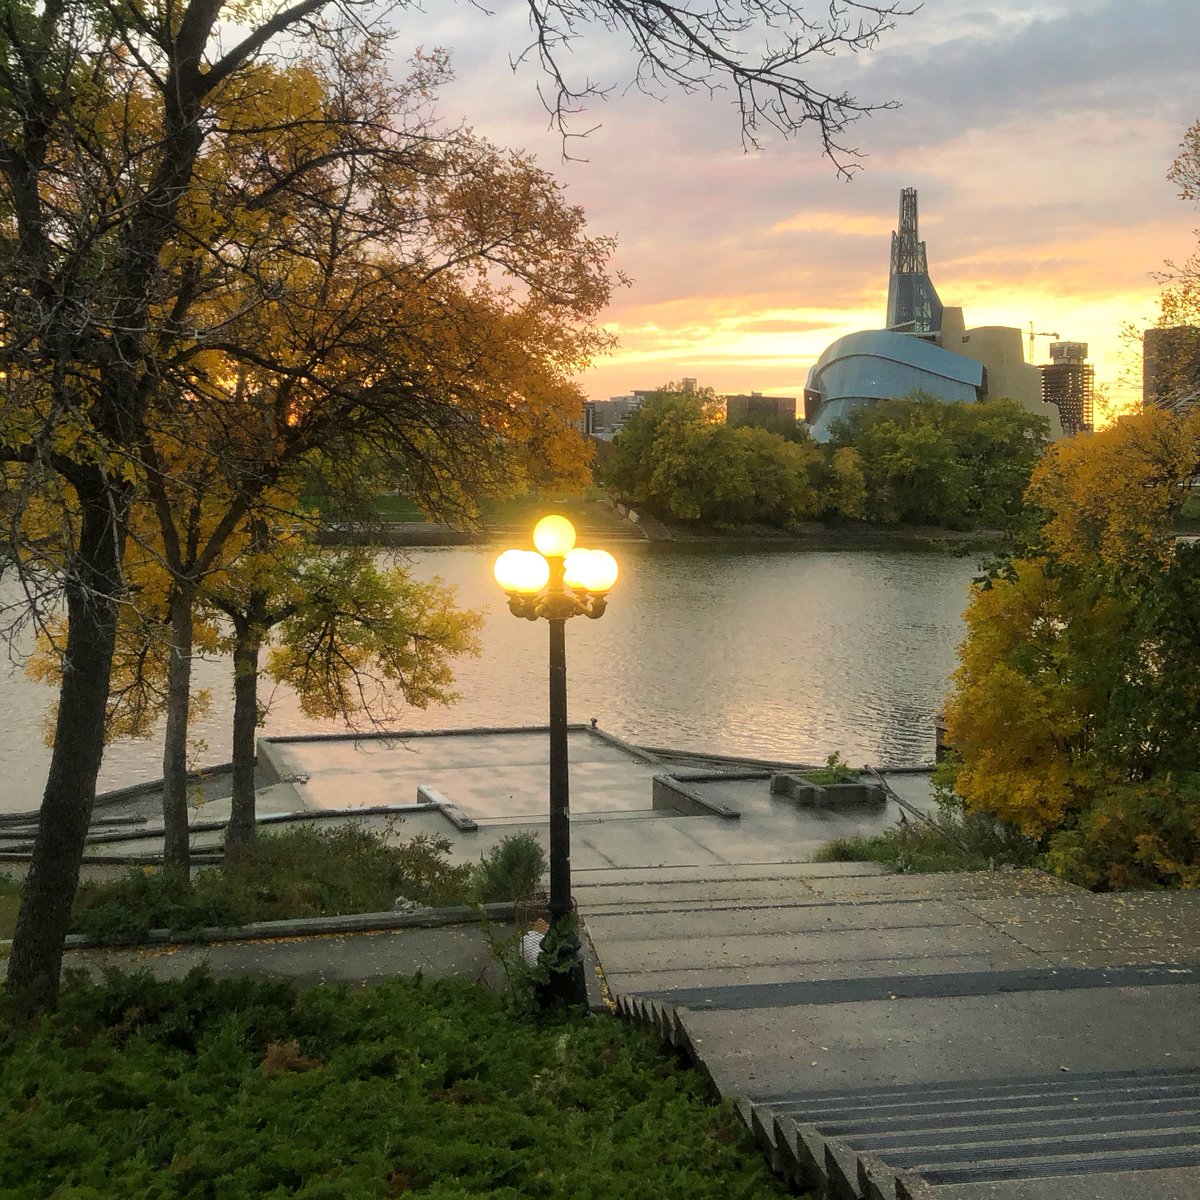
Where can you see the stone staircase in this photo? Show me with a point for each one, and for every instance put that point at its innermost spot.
(1016, 1137)
(865, 1079)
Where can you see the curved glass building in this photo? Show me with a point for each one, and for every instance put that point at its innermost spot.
(877, 364)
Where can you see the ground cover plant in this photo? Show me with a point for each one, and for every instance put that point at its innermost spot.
(305, 872)
(204, 1088)
(959, 841)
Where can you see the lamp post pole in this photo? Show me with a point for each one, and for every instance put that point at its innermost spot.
(560, 784)
(558, 583)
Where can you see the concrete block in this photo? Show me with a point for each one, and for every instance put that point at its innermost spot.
(807, 794)
(784, 1133)
(457, 818)
(764, 1134)
(671, 795)
(810, 1151)
(875, 1180)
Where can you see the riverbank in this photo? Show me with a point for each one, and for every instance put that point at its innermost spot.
(636, 527)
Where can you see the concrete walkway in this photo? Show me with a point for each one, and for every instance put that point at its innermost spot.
(358, 959)
(955, 1037)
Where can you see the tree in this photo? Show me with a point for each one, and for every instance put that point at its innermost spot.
(665, 416)
(710, 48)
(1076, 683)
(352, 639)
(201, 239)
(925, 462)
(1176, 355)
(120, 275)
(679, 459)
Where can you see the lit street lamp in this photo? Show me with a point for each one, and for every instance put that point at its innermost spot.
(558, 581)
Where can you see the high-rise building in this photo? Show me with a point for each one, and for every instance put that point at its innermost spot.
(756, 409)
(1068, 382)
(604, 419)
(1171, 367)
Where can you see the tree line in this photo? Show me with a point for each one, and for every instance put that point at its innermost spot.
(914, 461)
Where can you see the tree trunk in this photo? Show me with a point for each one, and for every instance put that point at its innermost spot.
(242, 830)
(176, 850)
(93, 588)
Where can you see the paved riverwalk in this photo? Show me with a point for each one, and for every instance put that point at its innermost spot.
(954, 1037)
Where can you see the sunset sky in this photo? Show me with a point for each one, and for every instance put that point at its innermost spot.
(1038, 137)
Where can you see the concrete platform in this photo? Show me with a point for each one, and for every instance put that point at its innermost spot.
(956, 1037)
(496, 781)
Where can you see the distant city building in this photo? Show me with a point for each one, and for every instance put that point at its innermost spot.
(604, 419)
(757, 409)
(925, 348)
(1171, 367)
(1069, 383)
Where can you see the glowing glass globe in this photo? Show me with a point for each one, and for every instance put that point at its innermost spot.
(554, 536)
(602, 571)
(521, 571)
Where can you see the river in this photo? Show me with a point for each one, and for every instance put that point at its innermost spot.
(786, 654)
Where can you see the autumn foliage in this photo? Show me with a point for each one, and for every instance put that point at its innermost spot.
(1076, 700)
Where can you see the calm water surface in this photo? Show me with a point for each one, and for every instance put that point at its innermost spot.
(781, 654)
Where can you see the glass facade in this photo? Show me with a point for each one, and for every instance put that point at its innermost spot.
(877, 364)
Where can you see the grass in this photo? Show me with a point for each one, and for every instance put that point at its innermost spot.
(305, 872)
(977, 843)
(200, 1088)
(398, 508)
(526, 510)
(387, 508)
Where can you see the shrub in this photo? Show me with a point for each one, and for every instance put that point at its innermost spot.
(835, 770)
(298, 872)
(427, 874)
(124, 910)
(512, 868)
(1134, 835)
(961, 842)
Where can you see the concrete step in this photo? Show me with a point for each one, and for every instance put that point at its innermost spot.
(719, 872)
(1003, 1135)
(835, 882)
(1162, 1183)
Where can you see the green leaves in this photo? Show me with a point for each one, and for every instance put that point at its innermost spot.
(427, 1090)
(910, 462)
(362, 638)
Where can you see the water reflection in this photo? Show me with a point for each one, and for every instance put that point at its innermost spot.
(785, 654)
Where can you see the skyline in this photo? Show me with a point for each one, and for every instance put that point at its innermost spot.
(1044, 199)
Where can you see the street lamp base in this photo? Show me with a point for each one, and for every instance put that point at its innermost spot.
(562, 983)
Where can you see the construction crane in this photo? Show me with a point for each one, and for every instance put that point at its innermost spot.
(1039, 333)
